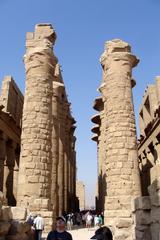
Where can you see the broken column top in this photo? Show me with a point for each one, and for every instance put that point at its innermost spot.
(42, 30)
(117, 47)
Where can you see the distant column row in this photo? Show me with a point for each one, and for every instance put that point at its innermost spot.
(9, 162)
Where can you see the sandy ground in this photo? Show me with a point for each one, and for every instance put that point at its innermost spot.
(80, 234)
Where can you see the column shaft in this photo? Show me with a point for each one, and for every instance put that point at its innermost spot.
(122, 174)
(34, 188)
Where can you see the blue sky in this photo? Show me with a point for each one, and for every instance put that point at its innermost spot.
(82, 27)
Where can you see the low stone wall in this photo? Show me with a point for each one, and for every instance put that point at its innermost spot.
(12, 223)
(146, 214)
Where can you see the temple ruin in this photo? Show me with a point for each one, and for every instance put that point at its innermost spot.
(37, 145)
(37, 150)
(147, 207)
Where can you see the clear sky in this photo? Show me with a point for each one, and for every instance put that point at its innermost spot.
(82, 27)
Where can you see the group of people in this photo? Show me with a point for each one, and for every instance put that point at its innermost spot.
(37, 225)
(87, 219)
(93, 220)
(103, 233)
(59, 232)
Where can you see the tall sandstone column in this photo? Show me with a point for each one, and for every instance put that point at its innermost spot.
(55, 149)
(34, 190)
(2, 158)
(122, 174)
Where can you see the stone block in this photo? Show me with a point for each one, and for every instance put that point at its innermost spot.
(19, 227)
(6, 214)
(142, 217)
(155, 214)
(46, 214)
(142, 203)
(4, 227)
(45, 204)
(21, 236)
(33, 179)
(117, 213)
(155, 173)
(155, 231)
(124, 222)
(19, 213)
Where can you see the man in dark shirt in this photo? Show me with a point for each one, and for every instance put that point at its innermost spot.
(60, 233)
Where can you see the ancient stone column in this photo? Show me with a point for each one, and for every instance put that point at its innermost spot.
(61, 157)
(122, 174)
(55, 149)
(8, 183)
(34, 190)
(66, 160)
(16, 170)
(73, 173)
(2, 158)
(66, 182)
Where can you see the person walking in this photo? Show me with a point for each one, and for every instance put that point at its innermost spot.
(96, 221)
(69, 221)
(89, 220)
(100, 221)
(60, 231)
(39, 226)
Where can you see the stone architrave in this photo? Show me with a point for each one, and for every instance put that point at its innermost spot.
(34, 182)
(121, 160)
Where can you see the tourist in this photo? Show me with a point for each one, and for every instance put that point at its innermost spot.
(89, 219)
(96, 221)
(39, 226)
(60, 231)
(30, 219)
(103, 233)
(69, 221)
(78, 219)
(100, 220)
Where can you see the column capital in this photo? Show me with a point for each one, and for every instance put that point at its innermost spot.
(116, 50)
